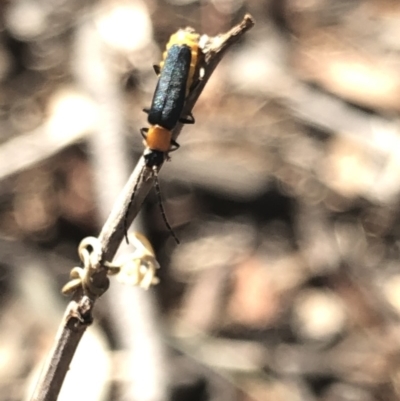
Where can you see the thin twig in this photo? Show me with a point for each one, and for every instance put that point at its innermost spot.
(79, 312)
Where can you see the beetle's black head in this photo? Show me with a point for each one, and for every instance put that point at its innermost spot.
(154, 158)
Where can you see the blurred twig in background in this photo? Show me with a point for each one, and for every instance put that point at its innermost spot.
(132, 312)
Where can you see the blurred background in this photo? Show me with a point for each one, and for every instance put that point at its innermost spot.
(284, 194)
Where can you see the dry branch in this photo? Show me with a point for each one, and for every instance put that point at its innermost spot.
(78, 315)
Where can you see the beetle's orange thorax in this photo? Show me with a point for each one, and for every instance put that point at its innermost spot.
(158, 138)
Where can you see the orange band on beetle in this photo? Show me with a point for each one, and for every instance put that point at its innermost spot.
(158, 138)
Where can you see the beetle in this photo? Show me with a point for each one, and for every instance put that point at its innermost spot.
(178, 72)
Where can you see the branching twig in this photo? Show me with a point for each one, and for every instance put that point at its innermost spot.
(79, 312)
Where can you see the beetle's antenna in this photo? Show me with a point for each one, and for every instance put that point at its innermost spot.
(158, 192)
